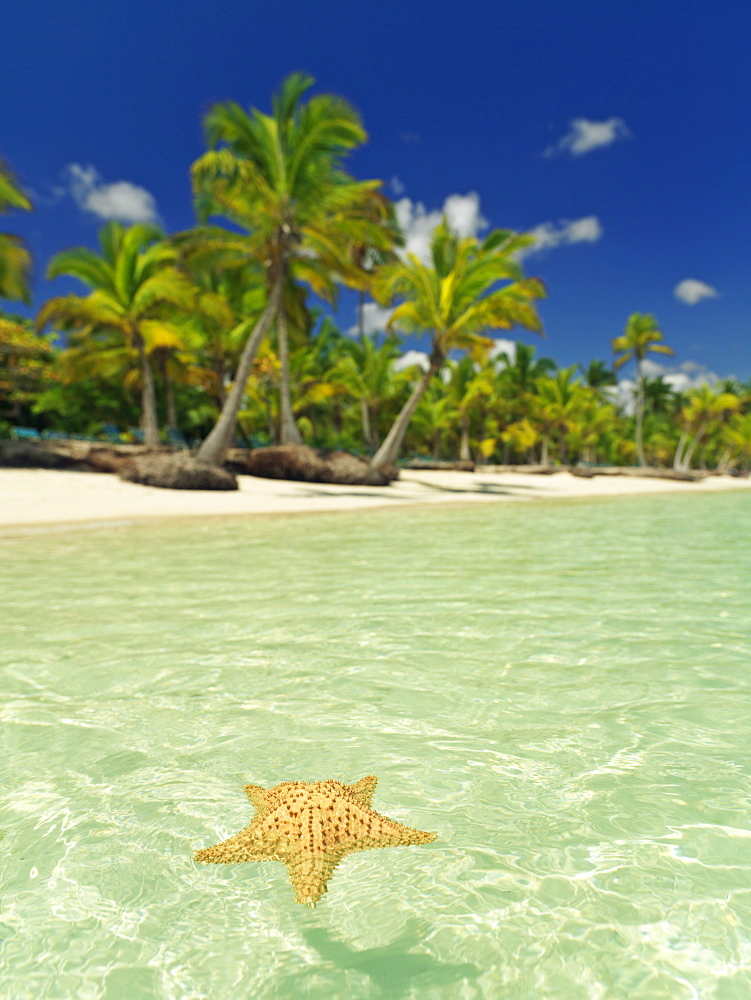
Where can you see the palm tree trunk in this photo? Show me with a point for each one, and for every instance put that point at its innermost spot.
(639, 414)
(148, 396)
(724, 463)
(366, 431)
(169, 393)
(464, 452)
(215, 447)
(374, 435)
(361, 316)
(388, 453)
(221, 392)
(680, 448)
(288, 432)
(688, 453)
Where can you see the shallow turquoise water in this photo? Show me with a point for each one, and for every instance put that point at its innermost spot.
(560, 690)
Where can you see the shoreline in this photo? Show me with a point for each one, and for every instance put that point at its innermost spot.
(32, 498)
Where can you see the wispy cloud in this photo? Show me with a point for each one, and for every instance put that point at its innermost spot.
(417, 224)
(585, 135)
(411, 358)
(375, 319)
(397, 186)
(549, 235)
(120, 200)
(692, 291)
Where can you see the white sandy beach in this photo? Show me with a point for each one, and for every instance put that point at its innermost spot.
(30, 497)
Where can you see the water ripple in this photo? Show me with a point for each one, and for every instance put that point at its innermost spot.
(540, 686)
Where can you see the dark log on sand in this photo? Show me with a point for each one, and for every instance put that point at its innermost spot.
(301, 463)
(179, 471)
(74, 456)
(434, 463)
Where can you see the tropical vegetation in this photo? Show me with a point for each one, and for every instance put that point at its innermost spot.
(224, 334)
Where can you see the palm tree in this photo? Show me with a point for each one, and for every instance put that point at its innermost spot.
(453, 299)
(520, 371)
(737, 439)
(659, 396)
(705, 411)
(15, 259)
(559, 403)
(597, 375)
(279, 177)
(366, 373)
(641, 336)
(470, 388)
(435, 416)
(132, 280)
(227, 306)
(367, 258)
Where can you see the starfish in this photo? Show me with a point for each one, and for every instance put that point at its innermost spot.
(311, 827)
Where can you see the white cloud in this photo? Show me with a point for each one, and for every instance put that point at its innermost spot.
(410, 358)
(462, 212)
(397, 186)
(692, 291)
(687, 375)
(549, 234)
(502, 346)
(374, 318)
(585, 135)
(121, 200)
(681, 378)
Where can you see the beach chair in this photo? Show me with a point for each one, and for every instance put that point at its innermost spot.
(25, 434)
(111, 433)
(176, 439)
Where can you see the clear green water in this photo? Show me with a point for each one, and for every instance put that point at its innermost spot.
(560, 690)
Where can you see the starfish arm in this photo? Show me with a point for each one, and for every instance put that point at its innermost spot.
(367, 829)
(258, 796)
(362, 791)
(244, 846)
(310, 873)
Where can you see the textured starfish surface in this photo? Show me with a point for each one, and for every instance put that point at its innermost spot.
(311, 827)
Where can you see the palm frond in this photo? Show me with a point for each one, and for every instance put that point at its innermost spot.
(82, 263)
(15, 268)
(11, 195)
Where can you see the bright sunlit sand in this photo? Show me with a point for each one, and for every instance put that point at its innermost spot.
(39, 496)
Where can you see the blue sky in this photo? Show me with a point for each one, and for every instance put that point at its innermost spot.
(617, 132)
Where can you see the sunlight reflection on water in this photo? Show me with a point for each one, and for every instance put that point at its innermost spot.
(561, 690)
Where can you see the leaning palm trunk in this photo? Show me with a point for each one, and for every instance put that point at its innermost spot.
(388, 453)
(683, 458)
(215, 447)
(680, 448)
(639, 416)
(148, 397)
(288, 432)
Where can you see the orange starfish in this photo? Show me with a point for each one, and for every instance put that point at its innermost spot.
(311, 827)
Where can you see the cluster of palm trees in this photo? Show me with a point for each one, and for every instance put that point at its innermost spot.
(218, 319)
